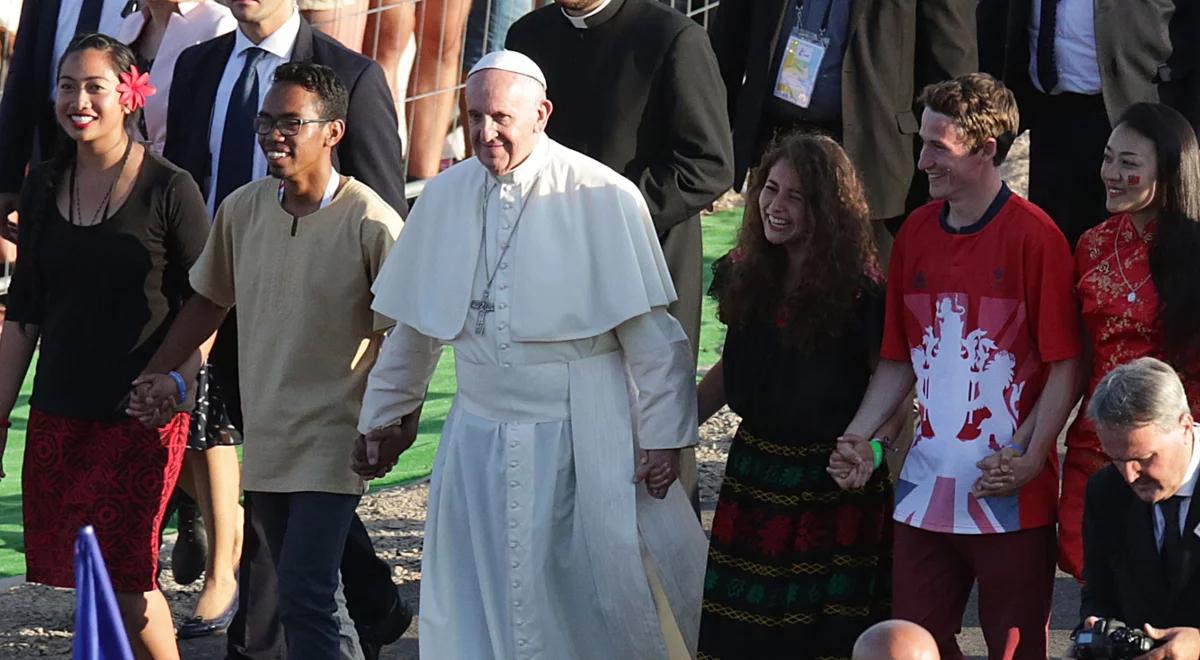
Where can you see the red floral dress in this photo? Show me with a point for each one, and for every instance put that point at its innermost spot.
(1119, 304)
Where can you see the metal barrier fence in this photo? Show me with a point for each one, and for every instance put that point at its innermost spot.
(439, 39)
(421, 45)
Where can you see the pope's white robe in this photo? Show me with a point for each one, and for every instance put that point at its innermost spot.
(538, 544)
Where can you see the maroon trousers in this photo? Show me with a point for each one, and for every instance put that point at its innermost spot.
(933, 574)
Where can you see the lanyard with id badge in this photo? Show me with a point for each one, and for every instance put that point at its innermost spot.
(802, 59)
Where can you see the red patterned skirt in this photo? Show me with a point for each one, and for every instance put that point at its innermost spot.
(115, 476)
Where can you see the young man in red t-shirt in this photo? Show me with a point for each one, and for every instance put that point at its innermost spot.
(981, 318)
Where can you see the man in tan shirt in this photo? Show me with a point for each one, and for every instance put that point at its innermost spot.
(296, 252)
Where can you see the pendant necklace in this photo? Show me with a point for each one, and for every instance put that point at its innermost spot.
(101, 211)
(1132, 295)
(484, 305)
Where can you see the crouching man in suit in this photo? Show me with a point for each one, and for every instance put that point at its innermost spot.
(1141, 527)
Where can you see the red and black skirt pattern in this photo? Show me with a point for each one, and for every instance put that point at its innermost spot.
(115, 476)
(795, 564)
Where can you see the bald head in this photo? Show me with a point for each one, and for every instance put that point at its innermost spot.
(895, 640)
(506, 112)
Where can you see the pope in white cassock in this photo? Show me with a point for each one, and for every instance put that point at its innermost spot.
(555, 528)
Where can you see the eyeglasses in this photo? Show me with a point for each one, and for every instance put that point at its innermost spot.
(288, 126)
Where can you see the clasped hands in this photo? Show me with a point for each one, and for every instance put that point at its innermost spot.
(1004, 473)
(154, 399)
(376, 453)
(658, 469)
(852, 463)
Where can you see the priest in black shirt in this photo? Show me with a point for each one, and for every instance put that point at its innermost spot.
(636, 86)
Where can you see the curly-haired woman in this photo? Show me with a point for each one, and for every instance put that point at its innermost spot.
(108, 232)
(795, 562)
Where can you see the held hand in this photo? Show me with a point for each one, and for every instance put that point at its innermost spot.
(376, 453)
(852, 463)
(1004, 473)
(153, 399)
(1174, 643)
(658, 468)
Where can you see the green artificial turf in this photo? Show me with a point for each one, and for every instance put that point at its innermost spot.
(720, 231)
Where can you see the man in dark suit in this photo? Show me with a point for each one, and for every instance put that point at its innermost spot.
(1141, 523)
(29, 130)
(879, 56)
(1073, 79)
(210, 134)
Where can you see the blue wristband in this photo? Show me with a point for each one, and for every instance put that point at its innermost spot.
(1015, 447)
(180, 385)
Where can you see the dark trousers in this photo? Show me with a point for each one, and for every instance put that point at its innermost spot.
(303, 537)
(1067, 134)
(932, 576)
(255, 633)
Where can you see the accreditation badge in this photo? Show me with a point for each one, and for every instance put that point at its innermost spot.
(799, 68)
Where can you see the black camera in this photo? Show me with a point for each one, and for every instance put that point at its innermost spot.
(1109, 638)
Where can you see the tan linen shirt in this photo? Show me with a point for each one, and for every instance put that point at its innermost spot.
(307, 337)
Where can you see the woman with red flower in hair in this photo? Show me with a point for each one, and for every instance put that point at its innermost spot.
(795, 562)
(108, 233)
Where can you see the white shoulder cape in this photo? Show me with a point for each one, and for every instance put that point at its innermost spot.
(586, 256)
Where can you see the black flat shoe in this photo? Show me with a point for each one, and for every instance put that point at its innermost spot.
(372, 638)
(197, 627)
(190, 553)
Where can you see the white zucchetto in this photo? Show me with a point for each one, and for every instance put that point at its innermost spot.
(512, 61)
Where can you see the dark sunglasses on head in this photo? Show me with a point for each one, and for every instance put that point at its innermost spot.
(288, 126)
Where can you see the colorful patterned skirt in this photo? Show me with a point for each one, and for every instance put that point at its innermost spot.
(796, 565)
(115, 476)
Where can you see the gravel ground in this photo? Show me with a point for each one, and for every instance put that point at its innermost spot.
(35, 621)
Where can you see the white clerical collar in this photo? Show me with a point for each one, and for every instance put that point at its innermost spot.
(528, 170)
(1193, 472)
(581, 21)
(279, 43)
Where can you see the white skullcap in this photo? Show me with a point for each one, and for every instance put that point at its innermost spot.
(510, 60)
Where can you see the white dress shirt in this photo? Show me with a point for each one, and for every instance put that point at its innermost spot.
(279, 45)
(193, 23)
(1074, 47)
(68, 18)
(1185, 491)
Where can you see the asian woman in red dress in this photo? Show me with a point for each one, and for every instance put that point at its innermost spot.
(1138, 281)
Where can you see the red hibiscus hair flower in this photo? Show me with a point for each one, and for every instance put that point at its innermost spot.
(134, 88)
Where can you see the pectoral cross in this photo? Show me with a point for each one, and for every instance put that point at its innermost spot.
(482, 309)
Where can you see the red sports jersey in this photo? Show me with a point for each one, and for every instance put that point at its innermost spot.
(979, 312)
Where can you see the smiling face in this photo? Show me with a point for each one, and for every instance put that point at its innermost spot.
(954, 170)
(1152, 460)
(506, 112)
(292, 156)
(782, 205)
(1130, 171)
(88, 106)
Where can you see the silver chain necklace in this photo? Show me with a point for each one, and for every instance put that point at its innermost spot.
(484, 305)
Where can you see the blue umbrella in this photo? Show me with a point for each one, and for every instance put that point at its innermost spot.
(99, 632)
